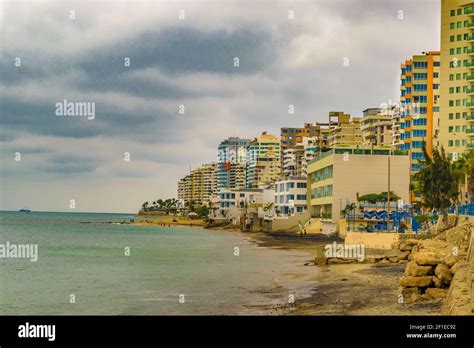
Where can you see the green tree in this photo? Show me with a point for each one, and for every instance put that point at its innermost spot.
(464, 168)
(202, 211)
(191, 205)
(437, 181)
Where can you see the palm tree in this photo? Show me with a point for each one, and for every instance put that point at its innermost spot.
(464, 168)
(437, 182)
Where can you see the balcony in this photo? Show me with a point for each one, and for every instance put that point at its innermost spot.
(470, 51)
(470, 145)
(470, 132)
(470, 38)
(470, 90)
(470, 77)
(469, 11)
(470, 25)
(470, 64)
(470, 104)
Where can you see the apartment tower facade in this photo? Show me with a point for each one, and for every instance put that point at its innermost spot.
(456, 122)
(420, 105)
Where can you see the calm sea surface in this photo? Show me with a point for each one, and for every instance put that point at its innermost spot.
(88, 261)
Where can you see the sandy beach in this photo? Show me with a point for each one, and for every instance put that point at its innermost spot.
(348, 289)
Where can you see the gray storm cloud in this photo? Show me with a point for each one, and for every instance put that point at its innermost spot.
(181, 62)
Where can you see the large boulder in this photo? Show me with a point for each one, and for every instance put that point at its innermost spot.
(338, 261)
(436, 293)
(415, 270)
(427, 258)
(421, 282)
(443, 273)
(408, 292)
(415, 298)
(403, 255)
(405, 247)
(412, 241)
(437, 282)
(451, 260)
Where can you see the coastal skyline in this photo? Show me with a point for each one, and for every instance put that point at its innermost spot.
(81, 56)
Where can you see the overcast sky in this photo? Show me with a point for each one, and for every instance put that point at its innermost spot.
(176, 62)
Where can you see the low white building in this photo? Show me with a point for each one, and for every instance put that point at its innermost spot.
(233, 203)
(290, 196)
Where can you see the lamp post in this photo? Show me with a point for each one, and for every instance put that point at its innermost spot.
(388, 192)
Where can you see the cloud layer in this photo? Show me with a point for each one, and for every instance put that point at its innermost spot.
(177, 62)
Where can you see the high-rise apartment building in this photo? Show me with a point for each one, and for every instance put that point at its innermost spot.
(231, 160)
(456, 121)
(263, 161)
(198, 185)
(419, 105)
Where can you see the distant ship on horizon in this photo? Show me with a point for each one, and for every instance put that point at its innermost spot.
(25, 210)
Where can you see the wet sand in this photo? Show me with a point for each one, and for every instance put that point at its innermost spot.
(348, 289)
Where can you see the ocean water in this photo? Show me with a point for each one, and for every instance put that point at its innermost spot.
(88, 260)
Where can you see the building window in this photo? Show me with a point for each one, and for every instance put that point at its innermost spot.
(420, 76)
(419, 122)
(417, 156)
(452, 13)
(419, 133)
(322, 174)
(420, 65)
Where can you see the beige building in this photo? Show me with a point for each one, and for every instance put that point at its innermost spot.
(293, 160)
(456, 120)
(376, 127)
(263, 161)
(198, 185)
(346, 133)
(345, 130)
(336, 176)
